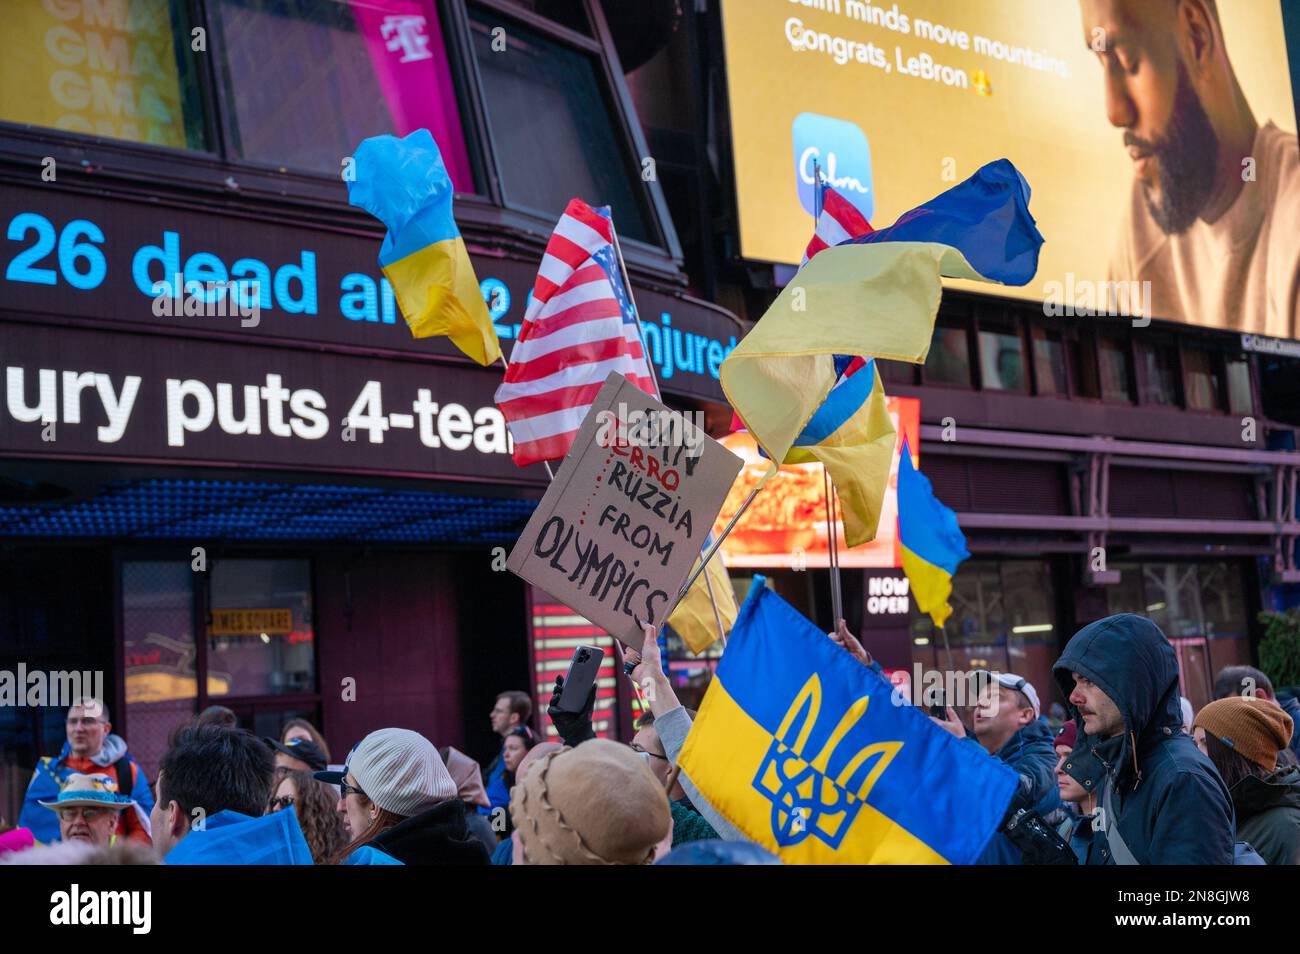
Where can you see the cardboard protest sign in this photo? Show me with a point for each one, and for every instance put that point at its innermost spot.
(624, 521)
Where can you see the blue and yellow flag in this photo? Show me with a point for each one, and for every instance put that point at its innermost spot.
(404, 184)
(932, 543)
(875, 295)
(812, 755)
(694, 619)
(851, 435)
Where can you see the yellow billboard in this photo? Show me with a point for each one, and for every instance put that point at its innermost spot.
(99, 67)
(1158, 138)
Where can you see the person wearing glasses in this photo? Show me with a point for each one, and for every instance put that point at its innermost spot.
(401, 805)
(1008, 724)
(688, 823)
(315, 804)
(89, 809)
(91, 749)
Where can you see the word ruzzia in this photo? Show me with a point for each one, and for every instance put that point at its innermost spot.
(239, 298)
(632, 427)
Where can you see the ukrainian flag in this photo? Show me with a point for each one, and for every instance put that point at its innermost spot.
(851, 435)
(814, 756)
(693, 619)
(932, 542)
(404, 184)
(874, 296)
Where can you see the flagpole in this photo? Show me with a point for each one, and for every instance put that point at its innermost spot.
(716, 544)
(546, 463)
(654, 376)
(832, 538)
(717, 616)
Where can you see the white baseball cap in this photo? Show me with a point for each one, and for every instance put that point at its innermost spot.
(1011, 681)
(399, 770)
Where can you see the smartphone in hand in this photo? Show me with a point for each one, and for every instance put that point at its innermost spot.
(583, 669)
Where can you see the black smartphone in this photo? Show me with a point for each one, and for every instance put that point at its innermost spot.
(940, 709)
(583, 669)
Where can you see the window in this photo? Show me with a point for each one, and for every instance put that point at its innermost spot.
(896, 372)
(1002, 358)
(949, 358)
(260, 639)
(1160, 373)
(1003, 618)
(306, 80)
(554, 134)
(1202, 380)
(1049, 361)
(1113, 368)
(1240, 398)
(118, 70)
(159, 654)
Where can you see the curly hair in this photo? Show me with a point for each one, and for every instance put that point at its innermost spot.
(322, 826)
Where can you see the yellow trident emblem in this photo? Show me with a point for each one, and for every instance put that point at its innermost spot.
(805, 800)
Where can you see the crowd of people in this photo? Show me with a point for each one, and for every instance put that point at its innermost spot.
(1133, 777)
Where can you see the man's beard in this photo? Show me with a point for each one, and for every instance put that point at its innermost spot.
(1186, 157)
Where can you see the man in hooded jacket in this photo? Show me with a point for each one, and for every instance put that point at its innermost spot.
(1162, 800)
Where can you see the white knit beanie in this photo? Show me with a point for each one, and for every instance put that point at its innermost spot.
(401, 772)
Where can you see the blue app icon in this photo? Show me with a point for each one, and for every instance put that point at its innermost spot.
(840, 148)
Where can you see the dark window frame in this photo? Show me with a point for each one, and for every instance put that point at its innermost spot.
(1218, 368)
(1159, 340)
(618, 100)
(962, 316)
(1004, 322)
(1063, 339)
(201, 605)
(153, 169)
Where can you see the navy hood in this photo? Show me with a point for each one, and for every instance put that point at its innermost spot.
(1132, 661)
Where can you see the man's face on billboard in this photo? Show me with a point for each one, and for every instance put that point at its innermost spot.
(1150, 95)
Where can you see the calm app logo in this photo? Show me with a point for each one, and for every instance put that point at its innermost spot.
(840, 148)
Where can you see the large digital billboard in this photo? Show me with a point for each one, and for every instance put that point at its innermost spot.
(786, 525)
(1157, 136)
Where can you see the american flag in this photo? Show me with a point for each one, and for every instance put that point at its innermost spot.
(840, 221)
(579, 327)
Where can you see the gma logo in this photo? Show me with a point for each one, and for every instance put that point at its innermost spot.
(805, 799)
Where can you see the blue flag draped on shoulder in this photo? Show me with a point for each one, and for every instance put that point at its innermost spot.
(873, 296)
(932, 543)
(404, 184)
(812, 755)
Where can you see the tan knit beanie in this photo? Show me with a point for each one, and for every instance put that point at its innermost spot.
(597, 804)
(1254, 728)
